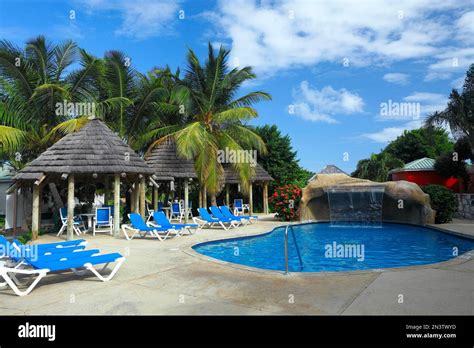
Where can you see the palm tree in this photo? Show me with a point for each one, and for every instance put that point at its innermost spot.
(214, 118)
(459, 114)
(376, 167)
(32, 83)
(34, 80)
(159, 105)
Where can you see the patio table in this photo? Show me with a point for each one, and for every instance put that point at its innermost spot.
(89, 217)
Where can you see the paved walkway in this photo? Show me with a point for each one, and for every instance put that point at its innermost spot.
(169, 278)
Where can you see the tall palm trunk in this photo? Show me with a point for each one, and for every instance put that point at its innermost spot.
(214, 200)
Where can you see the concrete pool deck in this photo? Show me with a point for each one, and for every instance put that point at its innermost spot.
(168, 278)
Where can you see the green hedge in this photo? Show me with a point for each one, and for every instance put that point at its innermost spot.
(443, 201)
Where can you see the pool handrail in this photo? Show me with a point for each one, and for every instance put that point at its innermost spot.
(290, 226)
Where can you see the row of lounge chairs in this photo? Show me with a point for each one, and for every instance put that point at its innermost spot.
(161, 228)
(25, 265)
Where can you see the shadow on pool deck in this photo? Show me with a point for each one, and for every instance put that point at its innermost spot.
(163, 278)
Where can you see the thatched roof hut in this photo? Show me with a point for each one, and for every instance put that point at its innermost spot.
(231, 177)
(93, 152)
(167, 165)
(94, 149)
(166, 162)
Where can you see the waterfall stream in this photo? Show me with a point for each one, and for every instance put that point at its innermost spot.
(356, 205)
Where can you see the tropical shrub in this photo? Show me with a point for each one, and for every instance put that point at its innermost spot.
(443, 201)
(285, 202)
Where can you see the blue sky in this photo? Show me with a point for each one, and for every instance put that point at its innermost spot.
(329, 65)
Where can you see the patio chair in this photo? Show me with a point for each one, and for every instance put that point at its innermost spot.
(161, 220)
(78, 225)
(176, 211)
(240, 207)
(139, 227)
(111, 209)
(149, 213)
(228, 213)
(45, 264)
(218, 214)
(205, 219)
(190, 208)
(103, 221)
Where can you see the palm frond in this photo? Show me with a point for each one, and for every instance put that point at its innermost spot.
(11, 139)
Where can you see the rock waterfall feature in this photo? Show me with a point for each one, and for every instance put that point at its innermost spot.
(352, 199)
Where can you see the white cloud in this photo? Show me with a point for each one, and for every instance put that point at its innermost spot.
(465, 25)
(391, 133)
(397, 78)
(141, 19)
(429, 102)
(321, 105)
(275, 35)
(456, 60)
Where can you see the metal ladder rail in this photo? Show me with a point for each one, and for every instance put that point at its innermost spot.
(286, 247)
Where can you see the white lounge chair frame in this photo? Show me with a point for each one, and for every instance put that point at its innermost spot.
(160, 235)
(9, 274)
(203, 223)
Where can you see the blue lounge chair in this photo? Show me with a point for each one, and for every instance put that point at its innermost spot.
(103, 221)
(205, 219)
(228, 213)
(16, 251)
(78, 224)
(63, 244)
(138, 226)
(218, 214)
(162, 221)
(43, 265)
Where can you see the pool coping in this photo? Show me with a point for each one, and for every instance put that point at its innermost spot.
(458, 260)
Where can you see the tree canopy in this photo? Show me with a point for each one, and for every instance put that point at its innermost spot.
(281, 161)
(418, 143)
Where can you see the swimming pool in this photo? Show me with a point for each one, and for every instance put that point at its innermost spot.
(320, 247)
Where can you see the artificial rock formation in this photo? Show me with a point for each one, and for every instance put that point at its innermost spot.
(414, 208)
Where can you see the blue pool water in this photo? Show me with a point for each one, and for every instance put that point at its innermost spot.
(323, 247)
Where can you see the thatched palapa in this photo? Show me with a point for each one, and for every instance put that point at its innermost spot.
(166, 163)
(95, 148)
(231, 177)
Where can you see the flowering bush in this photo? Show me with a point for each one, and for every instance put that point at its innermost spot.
(285, 202)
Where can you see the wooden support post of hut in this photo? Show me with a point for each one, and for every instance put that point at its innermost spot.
(250, 198)
(15, 210)
(133, 200)
(227, 194)
(116, 204)
(35, 216)
(265, 197)
(142, 189)
(155, 198)
(70, 207)
(186, 200)
(137, 196)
